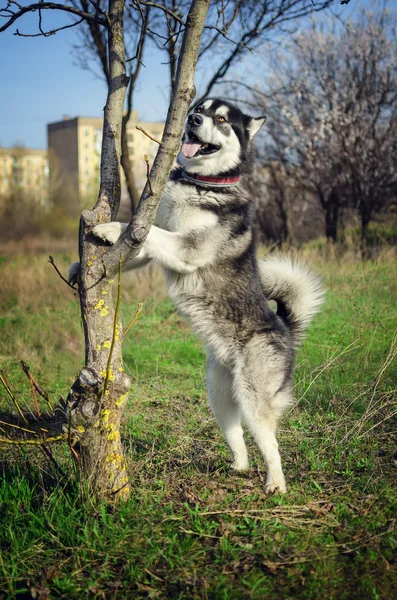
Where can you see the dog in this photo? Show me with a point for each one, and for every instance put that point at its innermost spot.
(203, 238)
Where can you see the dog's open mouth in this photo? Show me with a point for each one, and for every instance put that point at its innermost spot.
(193, 146)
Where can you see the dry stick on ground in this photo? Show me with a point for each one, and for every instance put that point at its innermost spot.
(96, 416)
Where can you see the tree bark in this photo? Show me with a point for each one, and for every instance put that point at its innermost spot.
(129, 243)
(279, 183)
(97, 399)
(95, 408)
(332, 215)
(127, 167)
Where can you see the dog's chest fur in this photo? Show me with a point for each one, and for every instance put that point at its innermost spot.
(181, 210)
(223, 300)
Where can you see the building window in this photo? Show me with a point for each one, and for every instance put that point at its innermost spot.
(98, 141)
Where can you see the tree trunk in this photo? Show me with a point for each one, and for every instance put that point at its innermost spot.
(97, 399)
(364, 236)
(125, 156)
(332, 215)
(279, 183)
(127, 167)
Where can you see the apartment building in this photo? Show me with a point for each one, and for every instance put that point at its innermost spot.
(74, 146)
(26, 170)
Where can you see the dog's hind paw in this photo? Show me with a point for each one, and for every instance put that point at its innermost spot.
(109, 232)
(240, 465)
(275, 488)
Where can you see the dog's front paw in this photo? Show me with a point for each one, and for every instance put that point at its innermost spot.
(74, 273)
(110, 232)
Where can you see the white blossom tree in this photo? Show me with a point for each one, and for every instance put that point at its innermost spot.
(331, 105)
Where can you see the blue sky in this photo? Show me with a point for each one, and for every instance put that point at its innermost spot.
(40, 83)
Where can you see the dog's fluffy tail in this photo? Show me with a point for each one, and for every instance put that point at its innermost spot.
(299, 293)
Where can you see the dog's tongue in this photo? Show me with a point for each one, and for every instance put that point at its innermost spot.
(189, 149)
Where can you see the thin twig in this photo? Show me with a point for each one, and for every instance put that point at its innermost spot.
(26, 370)
(51, 261)
(147, 134)
(18, 427)
(49, 455)
(47, 33)
(14, 400)
(37, 387)
(48, 440)
(138, 312)
(148, 173)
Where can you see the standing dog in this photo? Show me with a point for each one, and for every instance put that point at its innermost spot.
(204, 241)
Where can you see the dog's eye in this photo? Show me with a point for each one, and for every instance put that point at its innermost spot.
(198, 110)
(221, 119)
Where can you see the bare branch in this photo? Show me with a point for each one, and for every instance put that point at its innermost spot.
(147, 134)
(130, 324)
(137, 230)
(47, 6)
(162, 7)
(51, 261)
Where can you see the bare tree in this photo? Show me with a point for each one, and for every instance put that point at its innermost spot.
(97, 399)
(233, 29)
(332, 103)
(93, 48)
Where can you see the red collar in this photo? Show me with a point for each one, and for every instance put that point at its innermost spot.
(211, 180)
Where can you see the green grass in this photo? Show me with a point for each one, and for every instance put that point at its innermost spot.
(192, 527)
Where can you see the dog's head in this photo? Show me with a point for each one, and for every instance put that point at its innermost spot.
(217, 139)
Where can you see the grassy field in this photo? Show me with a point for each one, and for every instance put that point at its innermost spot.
(193, 528)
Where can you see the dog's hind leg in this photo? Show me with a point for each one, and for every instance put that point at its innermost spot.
(226, 411)
(264, 435)
(260, 406)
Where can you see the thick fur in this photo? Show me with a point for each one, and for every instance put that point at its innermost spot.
(204, 241)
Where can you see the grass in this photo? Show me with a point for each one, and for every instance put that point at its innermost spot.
(193, 528)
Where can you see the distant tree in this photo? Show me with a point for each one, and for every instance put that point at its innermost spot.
(331, 103)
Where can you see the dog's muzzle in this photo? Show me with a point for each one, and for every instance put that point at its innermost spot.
(193, 146)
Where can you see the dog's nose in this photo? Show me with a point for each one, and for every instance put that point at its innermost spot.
(195, 119)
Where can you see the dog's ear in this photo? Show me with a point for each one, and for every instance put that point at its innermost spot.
(254, 125)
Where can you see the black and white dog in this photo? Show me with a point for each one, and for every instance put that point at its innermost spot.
(204, 241)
